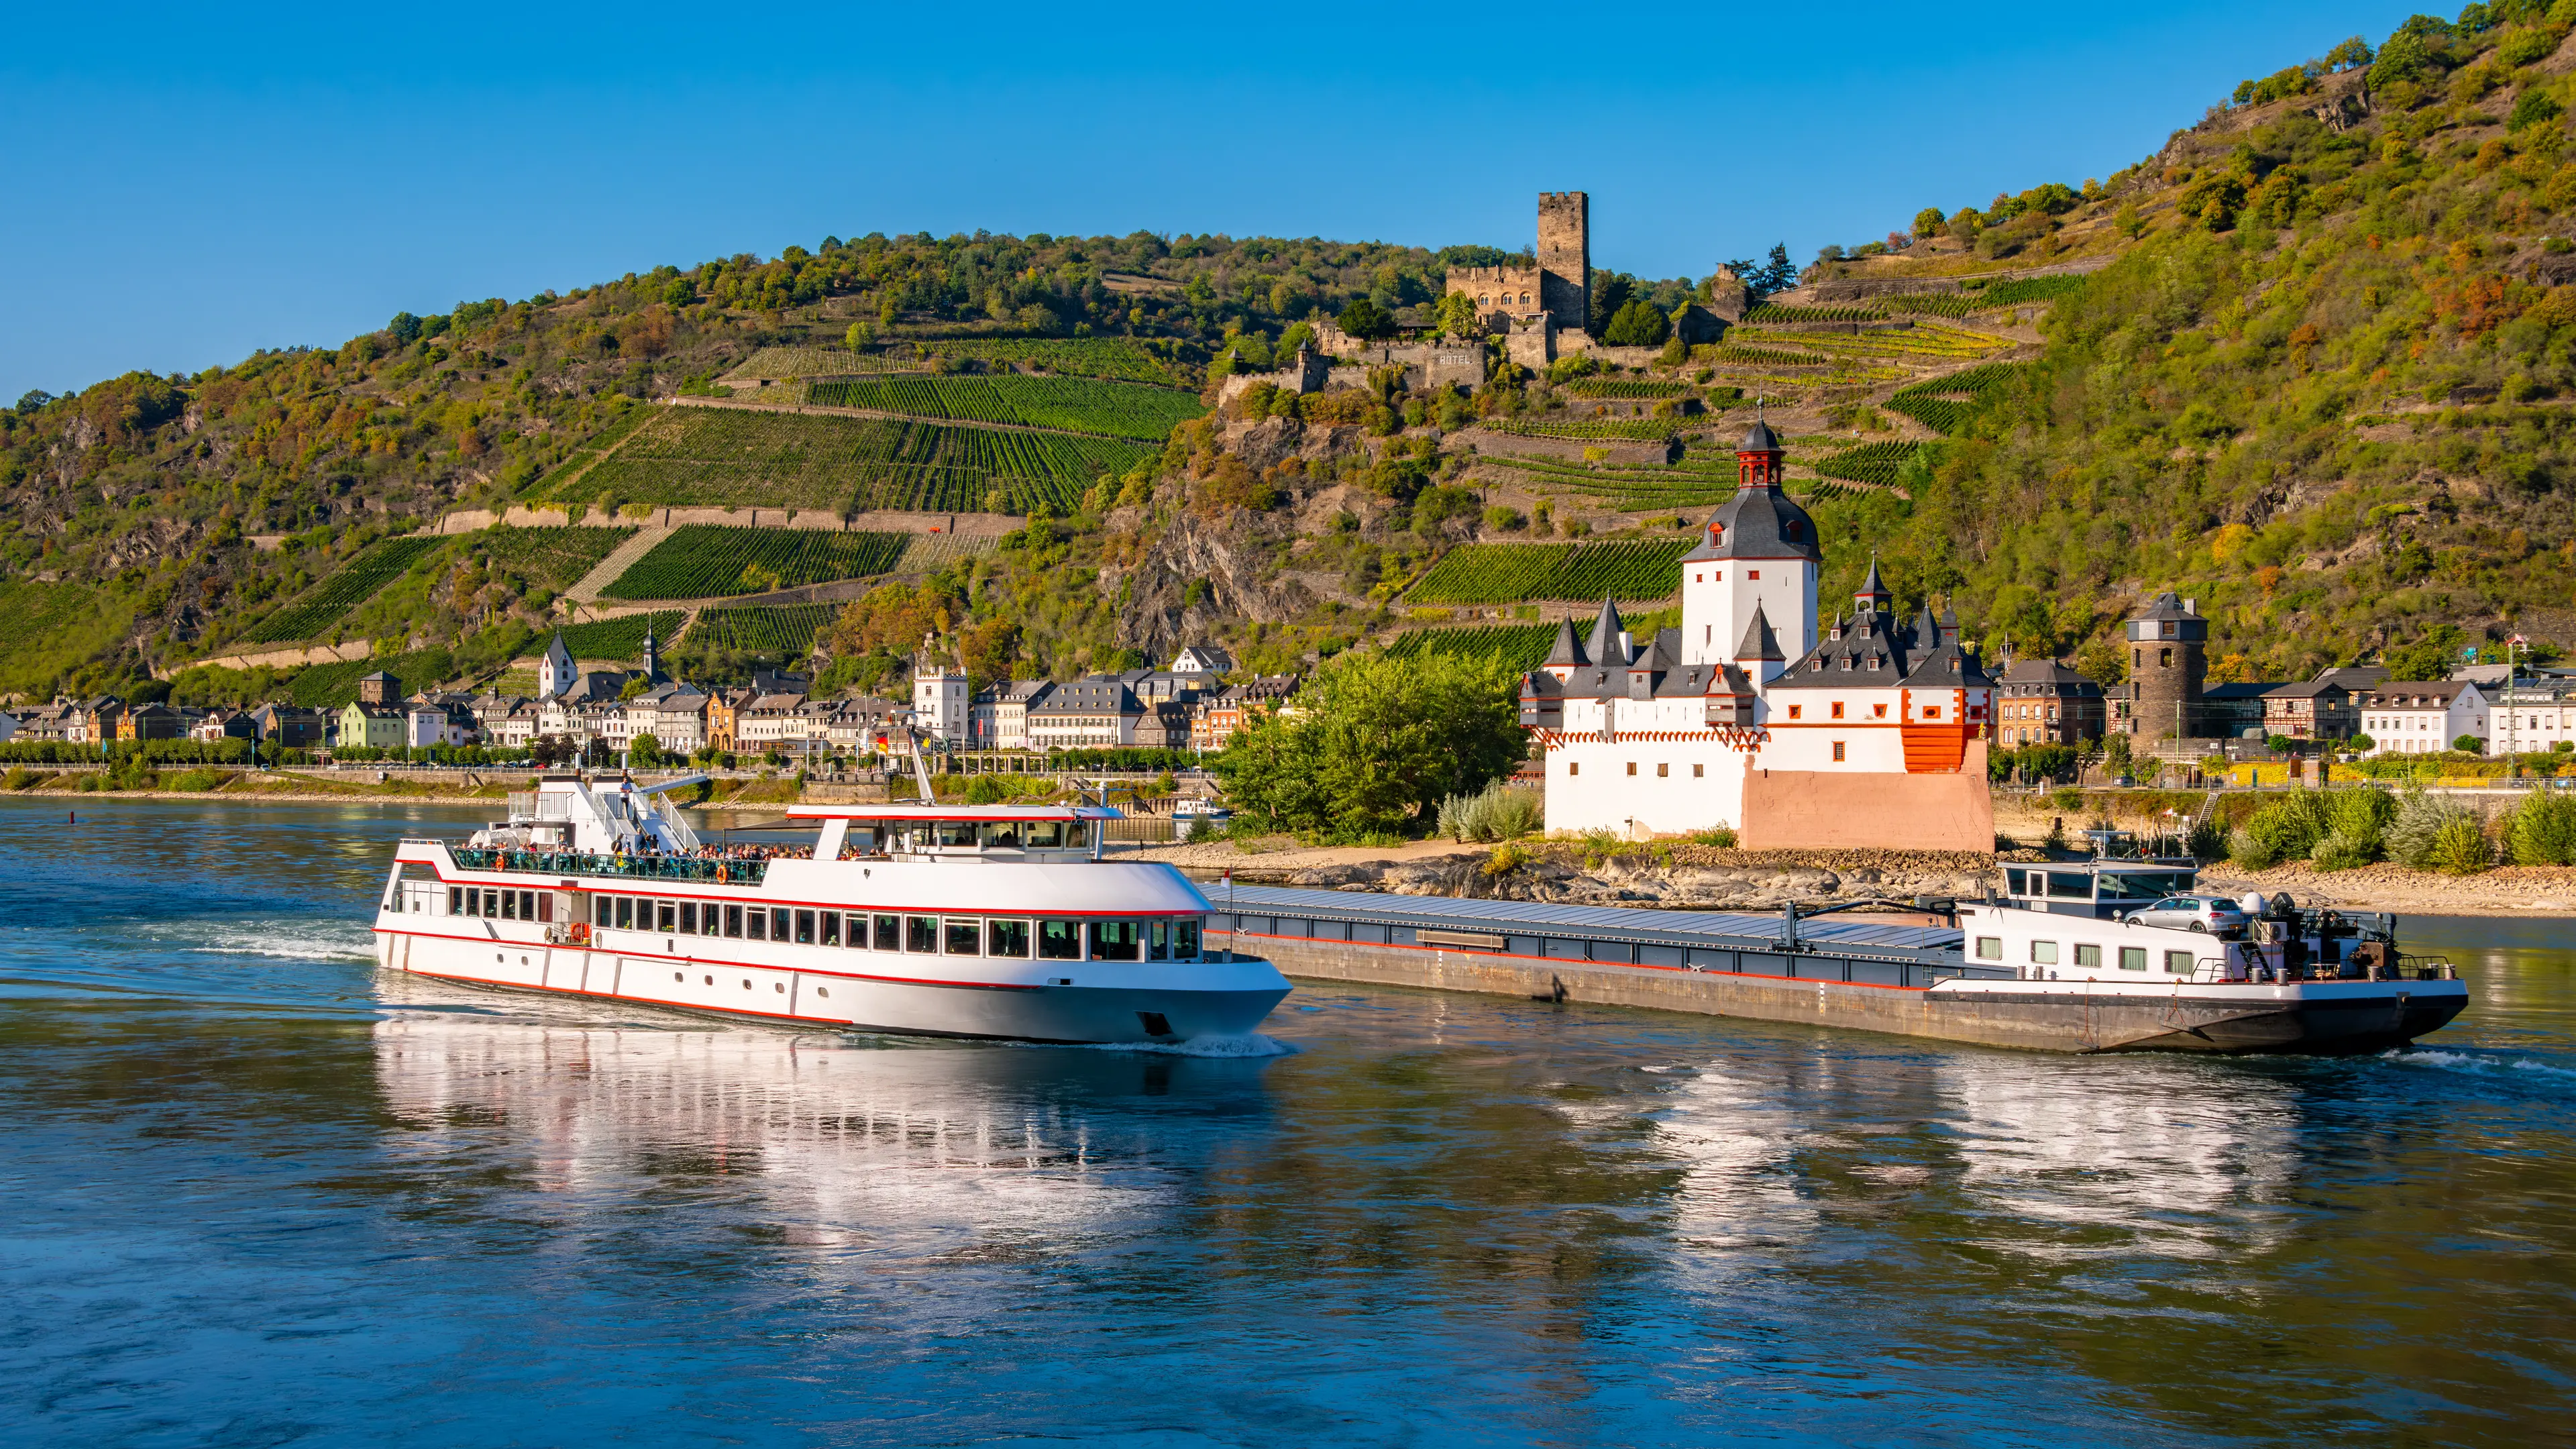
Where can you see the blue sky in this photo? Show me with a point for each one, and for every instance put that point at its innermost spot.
(186, 185)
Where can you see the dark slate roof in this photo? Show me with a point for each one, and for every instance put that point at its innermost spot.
(2047, 674)
(1603, 646)
(1759, 439)
(1568, 652)
(1871, 588)
(1758, 640)
(1092, 694)
(2312, 689)
(2164, 606)
(1877, 650)
(2224, 693)
(1760, 521)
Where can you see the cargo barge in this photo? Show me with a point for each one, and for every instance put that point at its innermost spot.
(2051, 961)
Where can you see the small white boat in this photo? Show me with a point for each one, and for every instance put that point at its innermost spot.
(942, 920)
(1194, 818)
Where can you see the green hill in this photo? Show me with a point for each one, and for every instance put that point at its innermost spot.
(2312, 363)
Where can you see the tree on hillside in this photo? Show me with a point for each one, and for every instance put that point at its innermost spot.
(1774, 274)
(1366, 320)
(1929, 221)
(1638, 324)
(1456, 315)
(1375, 745)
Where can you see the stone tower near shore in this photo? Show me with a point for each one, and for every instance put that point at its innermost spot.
(1565, 258)
(2168, 648)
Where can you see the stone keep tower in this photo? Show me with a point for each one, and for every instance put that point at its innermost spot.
(2168, 648)
(1565, 258)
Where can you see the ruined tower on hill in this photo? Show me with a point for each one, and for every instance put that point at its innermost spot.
(1565, 257)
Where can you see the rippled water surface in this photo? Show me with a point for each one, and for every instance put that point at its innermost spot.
(251, 1194)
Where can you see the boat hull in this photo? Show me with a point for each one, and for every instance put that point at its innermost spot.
(1138, 1003)
(2363, 1017)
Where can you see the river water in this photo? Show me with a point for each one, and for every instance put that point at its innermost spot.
(253, 1194)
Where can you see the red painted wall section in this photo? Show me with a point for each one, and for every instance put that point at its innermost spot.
(1816, 810)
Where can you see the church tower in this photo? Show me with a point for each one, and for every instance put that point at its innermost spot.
(555, 671)
(652, 658)
(1757, 553)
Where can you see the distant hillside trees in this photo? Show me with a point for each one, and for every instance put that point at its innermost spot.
(1375, 745)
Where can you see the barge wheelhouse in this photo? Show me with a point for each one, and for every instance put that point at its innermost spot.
(993, 921)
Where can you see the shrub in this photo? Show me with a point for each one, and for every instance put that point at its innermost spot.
(19, 778)
(2356, 827)
(1723, 837)
(2543, 831)
(2286, 829)
(2416, 828)
(1497, 813)
(2461, 848)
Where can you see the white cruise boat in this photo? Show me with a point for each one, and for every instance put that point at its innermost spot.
(2057, 951)
(995, 921)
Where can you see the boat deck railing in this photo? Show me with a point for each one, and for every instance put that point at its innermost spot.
(719, 870)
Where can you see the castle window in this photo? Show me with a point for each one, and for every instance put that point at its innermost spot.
(1838, 752)
(1663, 772)
(1574, 767)
(1794, 709)
(2164, 658)
(1754, 574)
(1878, 711)
(1838, 709)
(1632, 767)
(1484, 301)
(1931, 711)
(1698, 771)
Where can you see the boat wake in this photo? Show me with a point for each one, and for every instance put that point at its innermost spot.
(277, 941)
(1240, 1048)
(2474, 1062)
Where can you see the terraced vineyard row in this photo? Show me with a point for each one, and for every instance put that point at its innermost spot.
(1511, 573)
(784, 363)
(1522, 647)
(1639, 430)
(736, 457)
(1608, 387)
(706, 560)
(777, 629)
(1778, 312)
(1878, 463)
(1109, 357)
(334, 686)
(557, 557)
(621, 639)
(319, 607)
(1076, 404)
(1947, 404)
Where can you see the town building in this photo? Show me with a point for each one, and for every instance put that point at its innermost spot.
(372, 726)
(1868, 732)
(1218, 718)
(1093, 712)
(291, 726)
(2531, 713)
(2421, 717)
(1206, 663)
(2315, 709)
(151, 722)
(942, 710)
(999, 717)
(2043, 702)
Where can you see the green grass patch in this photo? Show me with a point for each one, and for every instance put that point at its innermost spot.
(763, 629)
(555, 557)
(46, 629)
(1520, 646)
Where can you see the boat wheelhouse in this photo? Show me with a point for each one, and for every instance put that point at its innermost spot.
(2063, 942)
(965, 920)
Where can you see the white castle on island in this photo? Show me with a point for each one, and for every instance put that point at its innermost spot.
(1868, 732)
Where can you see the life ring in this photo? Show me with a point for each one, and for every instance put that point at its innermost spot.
(722, 878)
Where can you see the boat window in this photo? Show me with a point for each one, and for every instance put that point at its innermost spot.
(1158, 941)
(2088, 958)
(2013, 882)
(689, 919)
(666, 917)
(955, 832)
(2139, 886)
(2044, 952)
(1114, 940)
(1006, 938)
(626, 913)
(1059, 940)
(758, 923)
(529, 909)
(1990, 948)
(2133, 958)
(604, 912)
(964, 935)
(804, 928)
(831, 924)
(778, 923)
(1000, 835)
(889, 932)
(1044, 834)
(509, 905)
(1185, 939)
(456, 901)
(2070, 885)
(1077, 834)
(921, 933)
(733, 922)
(2178, 963)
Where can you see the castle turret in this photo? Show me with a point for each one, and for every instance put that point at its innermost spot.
(2168, 644)
(1757, 551)
(1873, 595)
